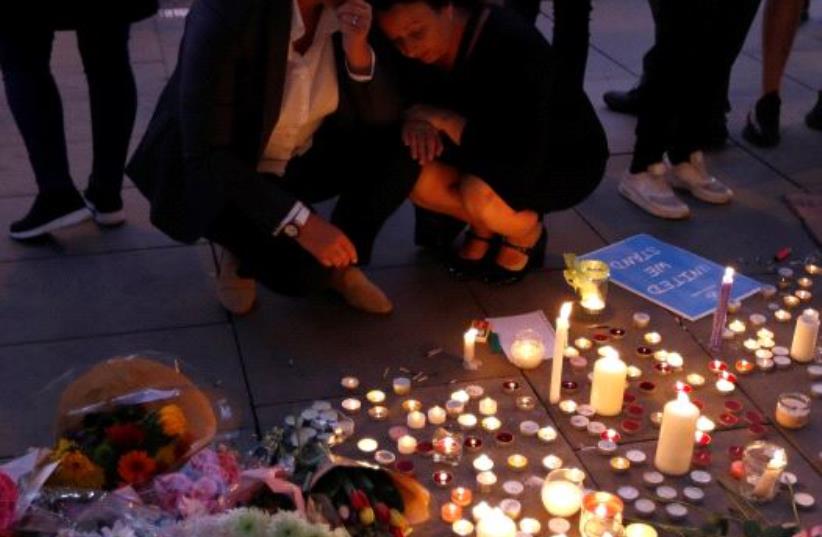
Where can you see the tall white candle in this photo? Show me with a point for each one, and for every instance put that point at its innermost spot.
(675, 448)
(805, 335)
(496, 524)
(721, 312)
(764, 488)
(469, 341)
(608, 388)
(560, 342)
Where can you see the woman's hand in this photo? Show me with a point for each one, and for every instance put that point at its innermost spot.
(423, 140)
(443, 120)
(355, 22)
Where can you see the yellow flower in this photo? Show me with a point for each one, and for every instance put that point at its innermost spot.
(166, 456)
(172, 420)
(77, 470)
(64, 445)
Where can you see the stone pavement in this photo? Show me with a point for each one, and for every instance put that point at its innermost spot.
(87, 294)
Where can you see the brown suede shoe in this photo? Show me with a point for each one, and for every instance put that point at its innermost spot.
(236, 294)
(360, 292)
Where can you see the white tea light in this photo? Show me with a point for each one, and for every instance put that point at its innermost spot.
(367, 445)
(375, 397)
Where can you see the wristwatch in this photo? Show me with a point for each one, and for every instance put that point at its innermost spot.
(293, 227)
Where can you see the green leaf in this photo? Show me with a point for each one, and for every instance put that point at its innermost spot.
(752, 529)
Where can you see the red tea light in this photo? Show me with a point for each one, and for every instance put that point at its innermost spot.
(442, 479)
(396, 432)
(717, 366)
(663, 368)
(472, 443)
(702, 439)
(600, 338)
(569, 386)
(757, 430)
(462, 496)
(405, 466)
(737, 470)
(647, 387)
(702, 458)
(635, 411)
(630, 426)
(510, 386)
(733, 406)
(504, 439)
(682, 387)
(425, 448)
(754, 417)
(611, 435)
(450, 512)
(628, 398)
(743, 366)
(644, 352)
(735, 453)
(728, 420)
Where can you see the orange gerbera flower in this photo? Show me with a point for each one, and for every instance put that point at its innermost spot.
(172, 420)
(77, 470)
(136, 467)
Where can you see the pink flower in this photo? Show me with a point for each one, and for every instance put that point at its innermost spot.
(8, 501)
(206, 458)
(189, 507)
(205, 488)
(229, 465)
(169, 488)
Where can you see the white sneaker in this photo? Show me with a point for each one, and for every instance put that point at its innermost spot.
(694, 176)
(651, 191)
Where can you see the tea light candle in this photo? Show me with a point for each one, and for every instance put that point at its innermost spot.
(813, 268)
(620, 464)
(410, 405)
(608, 388)
(764, 333)
(579, 422)
(504, 439)
(472, 443)
(450, 512)
(454, 408)
(528, 350)
(782, 316)
(641, 319)
(350, 383)
(415, 420)
(790, 301)
(378, 413)
(528, 428)
(467, 421)
(401, 385)
(367, 445)
(375, 396)
(675, 446)
(737, 327)
(724, 384)
(475, 391)
(531, 526)
(551, 462)
(513, 488)
(705, 424)
(803, 295)
(526, 402)
(517, 462)
(406, 445)
(652, 479)
(652, 338)
(559, 526)
(717, 366)
(483, 463)
(675, 360)
(601, 506)
(461, 396)
(486, 481)
(676, 511)
(768, 291)
(351, 405)
(693, 494)
(462, 527)
(596, 428)
(640, 530)
(750, 345)
(606, 447)
(806, 333)
(634, 373)
(734, 306)
(695, 379)
(570, 352)
(496, 524)
(568, 406)
(462, 496)
(384, 457)
(510, 386)
(583, 343)
(487, 406)
(743, 366)
(442, 479)
(562, 492)
(793, 410)
(636, 456)
(547, 434)
(436, 415)
(491, 424)
(804, 500)
(480, 510)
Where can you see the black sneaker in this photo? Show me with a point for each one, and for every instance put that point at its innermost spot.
(49, 213)
(762, 127)
(106, 210)
(814, 118)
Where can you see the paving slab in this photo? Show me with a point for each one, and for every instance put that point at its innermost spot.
(756, 223)
(87, 238)
(36, 374)
(716, 499)
(548, 291)
(107, 294)
(463, 475)
(320, 340)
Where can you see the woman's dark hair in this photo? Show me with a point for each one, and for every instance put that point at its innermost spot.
(385, 5)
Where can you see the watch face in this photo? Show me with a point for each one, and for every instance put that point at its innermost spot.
(291, 230)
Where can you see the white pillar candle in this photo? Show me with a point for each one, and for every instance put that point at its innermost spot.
(469, 341)
(416, 420)
(560, 342)
(436, 415)
(487, 406)
(764, 488)
(407, 444)
(496, 524)
(608, 389)
(805, 335)
(675, 447)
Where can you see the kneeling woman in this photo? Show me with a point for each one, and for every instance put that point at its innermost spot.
(503, 137)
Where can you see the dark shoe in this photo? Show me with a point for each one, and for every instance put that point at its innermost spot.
(464, 269)
(106, 210)
(49, 213)
(762, 128)
(624, 102)
(498, 275)
(814, 118)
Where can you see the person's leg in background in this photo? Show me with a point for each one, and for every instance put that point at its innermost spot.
(571, 39)
(779, 25)
(113, 98)
(38, 111)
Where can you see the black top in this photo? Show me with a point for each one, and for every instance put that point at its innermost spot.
(525, 128)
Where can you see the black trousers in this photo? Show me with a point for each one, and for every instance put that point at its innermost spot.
(38, 111)
(686, 75)
(366, 169)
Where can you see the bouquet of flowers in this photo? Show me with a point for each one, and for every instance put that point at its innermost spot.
(126, 421)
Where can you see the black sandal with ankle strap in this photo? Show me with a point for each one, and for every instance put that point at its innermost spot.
(465, 269)
(499, 275)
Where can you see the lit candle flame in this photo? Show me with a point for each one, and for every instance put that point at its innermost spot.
(565, 310)
(729, 275)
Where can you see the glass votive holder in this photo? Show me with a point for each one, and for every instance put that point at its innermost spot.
(562, 491)
(793, 410)
(527, 349)
(589, 278)
(763, 464)
(602, 528)
(601, 506)
(447, 447)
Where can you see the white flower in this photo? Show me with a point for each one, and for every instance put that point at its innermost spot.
(247, 522)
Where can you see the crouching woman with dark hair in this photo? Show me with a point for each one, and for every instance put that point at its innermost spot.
(501, 137)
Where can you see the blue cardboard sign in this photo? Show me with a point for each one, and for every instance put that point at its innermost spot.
(671, 277)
